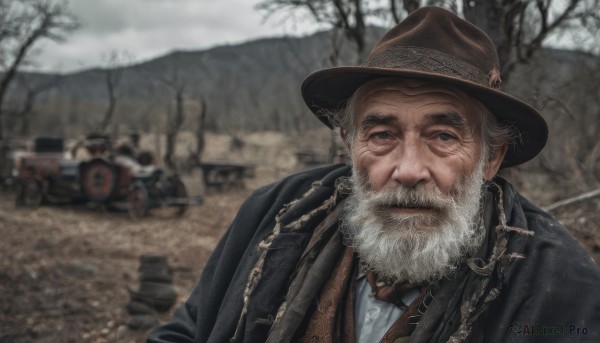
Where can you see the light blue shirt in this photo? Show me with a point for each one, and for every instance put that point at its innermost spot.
(372, 317)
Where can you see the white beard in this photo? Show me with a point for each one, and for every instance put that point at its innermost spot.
(415, 247)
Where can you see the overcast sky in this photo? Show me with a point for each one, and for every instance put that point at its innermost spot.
(145, 29)
(149, 28)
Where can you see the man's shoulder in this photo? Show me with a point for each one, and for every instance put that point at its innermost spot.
(551, 279)
(550, 252)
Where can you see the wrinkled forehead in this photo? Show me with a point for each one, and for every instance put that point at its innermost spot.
(422, 90)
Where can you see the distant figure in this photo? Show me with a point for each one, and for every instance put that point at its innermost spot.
(418, 239)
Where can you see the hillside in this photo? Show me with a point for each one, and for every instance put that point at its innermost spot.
(248, 87)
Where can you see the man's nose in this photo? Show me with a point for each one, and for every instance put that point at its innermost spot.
(411, 166)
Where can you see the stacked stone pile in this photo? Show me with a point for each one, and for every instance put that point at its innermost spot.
(154, 294)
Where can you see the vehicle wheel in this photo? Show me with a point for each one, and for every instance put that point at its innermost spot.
(180, 192)
(30, 194)
(98, 181)
(137, 201)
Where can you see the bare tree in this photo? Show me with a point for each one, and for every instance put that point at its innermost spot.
(113, 73)
(23, 23)
(32, 90)
(200, 129)
(517, 27)
(346, 15)
(171, 79)
(175, 119)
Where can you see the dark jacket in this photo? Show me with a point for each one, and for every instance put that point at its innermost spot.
(552, 294)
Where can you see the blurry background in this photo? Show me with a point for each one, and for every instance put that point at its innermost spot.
(216, 83)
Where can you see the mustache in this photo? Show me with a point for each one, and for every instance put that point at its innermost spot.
(406, 197)
(416, 196)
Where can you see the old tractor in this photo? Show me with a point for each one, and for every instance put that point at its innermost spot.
(108, 176)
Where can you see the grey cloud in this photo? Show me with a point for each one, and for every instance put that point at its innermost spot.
(148, 28)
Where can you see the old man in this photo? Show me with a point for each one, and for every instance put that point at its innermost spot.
(418, 240)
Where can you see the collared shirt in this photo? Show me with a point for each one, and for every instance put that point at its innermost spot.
(373, 317)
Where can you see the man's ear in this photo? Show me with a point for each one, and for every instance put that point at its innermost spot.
(493, 164)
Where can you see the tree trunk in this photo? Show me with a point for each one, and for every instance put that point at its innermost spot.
(110, 110)
(23, 115)
(200, 139)
(111, 81)
(173, 127)
(489, 16)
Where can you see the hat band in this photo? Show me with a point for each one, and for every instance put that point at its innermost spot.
(430, 61)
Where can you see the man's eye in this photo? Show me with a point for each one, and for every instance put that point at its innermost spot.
(445, 137)
(382, 135)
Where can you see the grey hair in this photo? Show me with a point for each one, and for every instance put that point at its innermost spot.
(494, 133)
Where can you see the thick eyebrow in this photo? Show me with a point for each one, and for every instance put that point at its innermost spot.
(374, 119)
(453, 119)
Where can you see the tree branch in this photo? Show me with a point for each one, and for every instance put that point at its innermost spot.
(573, 200)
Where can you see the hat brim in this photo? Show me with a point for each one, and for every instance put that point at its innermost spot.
(330, 89)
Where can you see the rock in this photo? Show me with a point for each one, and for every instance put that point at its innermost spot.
(142, 322)
(159, 296)
(154, 268)
(135, 307)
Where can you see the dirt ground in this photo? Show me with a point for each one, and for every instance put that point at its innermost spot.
(65, 270)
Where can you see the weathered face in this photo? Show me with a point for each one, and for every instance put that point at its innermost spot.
(417, 179)
(414, 133)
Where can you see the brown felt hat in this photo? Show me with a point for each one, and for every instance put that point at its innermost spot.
(434, 44)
